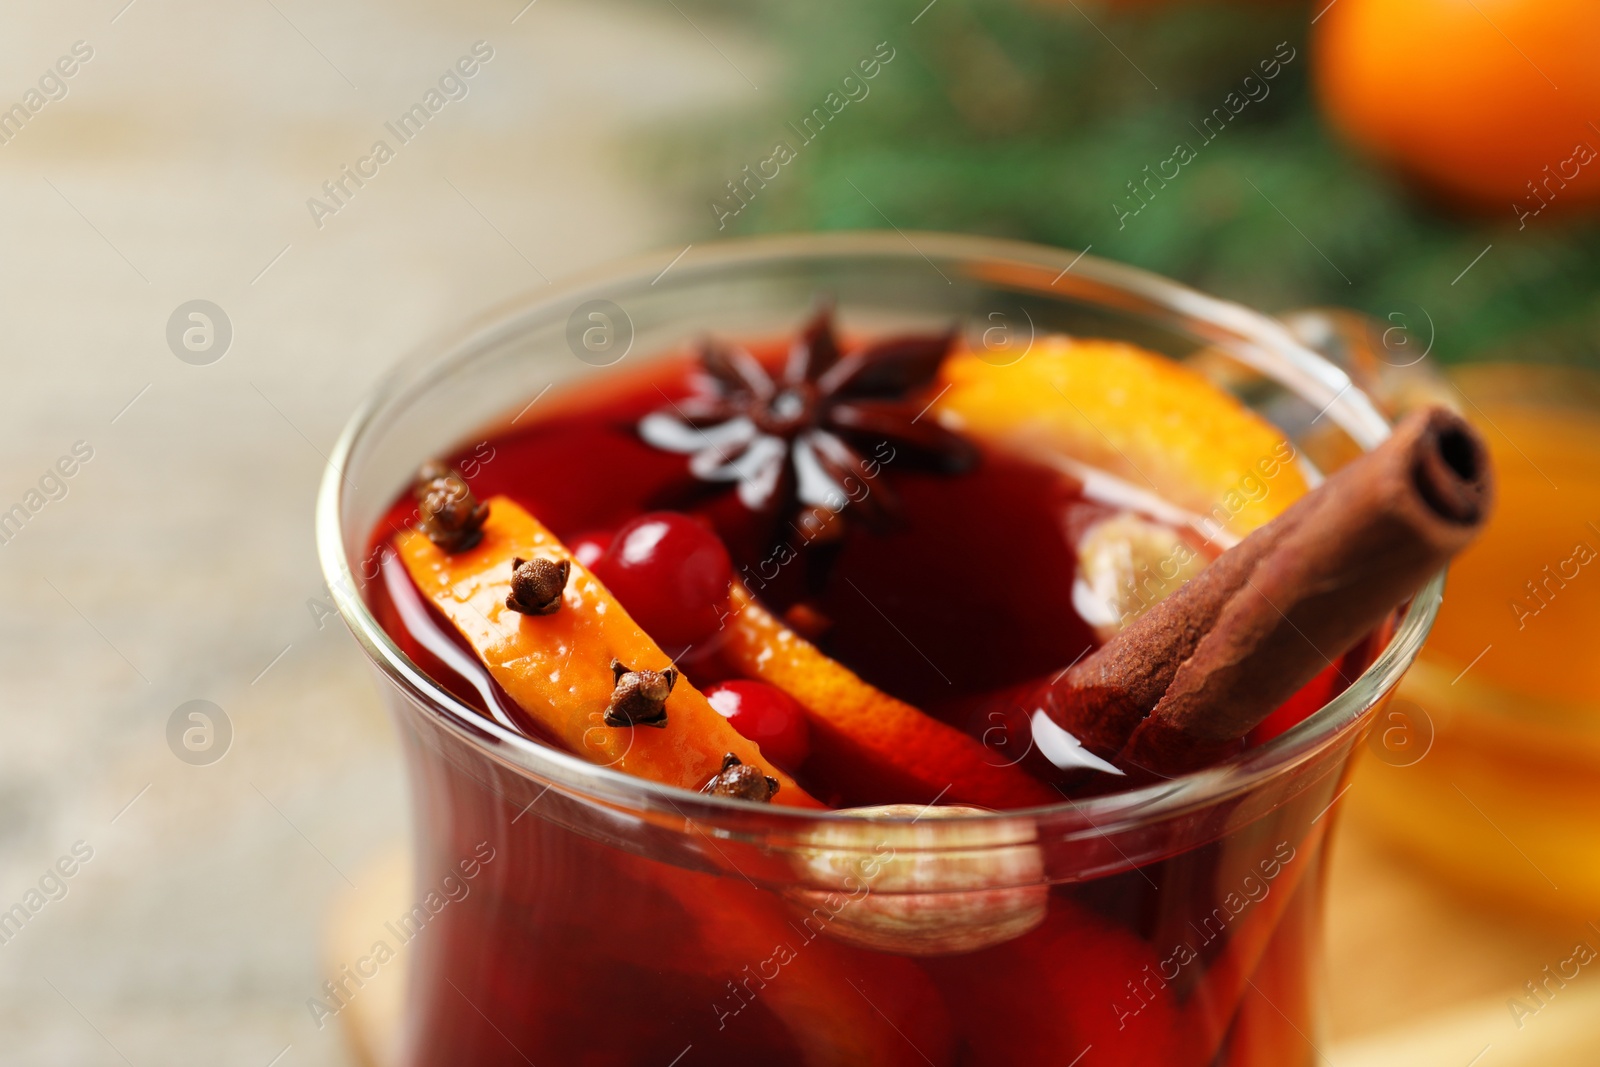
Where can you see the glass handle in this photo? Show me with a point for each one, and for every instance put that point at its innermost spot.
(1388, 359)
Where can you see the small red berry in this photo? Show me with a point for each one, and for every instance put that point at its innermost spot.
(672, 573)
(587, 548)
(766, 715)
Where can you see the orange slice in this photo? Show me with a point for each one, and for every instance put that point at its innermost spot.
(558, 667)
(1154, 423)
(870, 746)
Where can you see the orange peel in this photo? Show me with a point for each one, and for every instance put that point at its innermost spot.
(558, 667)
(872, 746)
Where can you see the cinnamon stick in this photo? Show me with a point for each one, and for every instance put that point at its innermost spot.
(1190, 678)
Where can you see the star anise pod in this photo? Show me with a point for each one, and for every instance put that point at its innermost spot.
(818, 434)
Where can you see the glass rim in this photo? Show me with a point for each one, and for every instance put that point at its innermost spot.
(1347, 407)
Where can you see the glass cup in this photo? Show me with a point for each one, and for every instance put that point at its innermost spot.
(570, 914)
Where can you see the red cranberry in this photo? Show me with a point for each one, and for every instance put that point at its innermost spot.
(672, 574)
(766, 715)
(587, 548)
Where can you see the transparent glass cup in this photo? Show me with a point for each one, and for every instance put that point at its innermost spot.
(597, 918)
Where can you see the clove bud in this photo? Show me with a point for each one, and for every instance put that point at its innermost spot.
(427, 474)
(451, 516)
(537, 584)
(640, 697)
(742, 782)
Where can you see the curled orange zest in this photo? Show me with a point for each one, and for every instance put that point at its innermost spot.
(873, 747)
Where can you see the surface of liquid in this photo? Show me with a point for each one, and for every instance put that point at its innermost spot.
(966, 599)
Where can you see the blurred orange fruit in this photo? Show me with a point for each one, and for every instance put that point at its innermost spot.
(1488, 103)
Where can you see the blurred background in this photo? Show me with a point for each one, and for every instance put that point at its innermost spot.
(1429, 164)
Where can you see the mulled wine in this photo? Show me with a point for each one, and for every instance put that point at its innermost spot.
(896, 579)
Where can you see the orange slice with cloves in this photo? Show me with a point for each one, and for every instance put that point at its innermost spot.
(585, 671)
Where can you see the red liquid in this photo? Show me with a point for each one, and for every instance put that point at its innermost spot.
(587, 941)
(588, 470)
